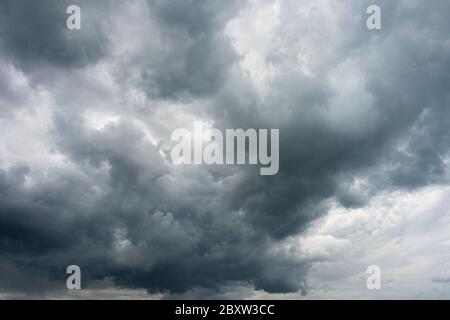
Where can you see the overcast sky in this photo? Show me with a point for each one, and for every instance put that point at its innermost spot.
(85, 122)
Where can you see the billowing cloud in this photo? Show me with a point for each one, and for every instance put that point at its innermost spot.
(86, 117)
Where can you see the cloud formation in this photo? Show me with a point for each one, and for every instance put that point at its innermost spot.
(86, 118)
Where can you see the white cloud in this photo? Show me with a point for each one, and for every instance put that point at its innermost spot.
(405, 233)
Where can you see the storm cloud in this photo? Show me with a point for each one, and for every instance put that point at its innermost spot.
(86, 117)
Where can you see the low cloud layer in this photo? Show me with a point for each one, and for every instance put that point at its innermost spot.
(86, 117)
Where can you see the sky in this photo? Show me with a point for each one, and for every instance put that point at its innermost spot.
(86, 118)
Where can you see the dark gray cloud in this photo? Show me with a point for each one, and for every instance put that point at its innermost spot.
(34, 33)
(90, 186)
(193, 53)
